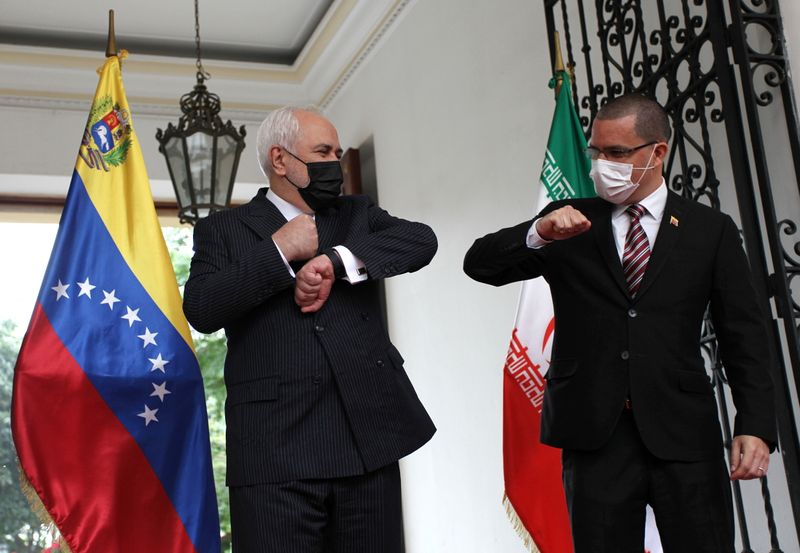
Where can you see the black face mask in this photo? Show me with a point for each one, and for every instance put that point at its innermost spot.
(325, 183)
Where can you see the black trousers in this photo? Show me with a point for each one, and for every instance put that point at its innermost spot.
(357, 514)
(607, 492)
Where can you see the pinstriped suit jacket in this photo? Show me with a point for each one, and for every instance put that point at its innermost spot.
(319, 395)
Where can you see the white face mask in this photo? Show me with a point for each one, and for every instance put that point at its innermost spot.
(612, 179)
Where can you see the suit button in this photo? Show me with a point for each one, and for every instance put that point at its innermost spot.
(319, 328)
(387, 270)
(365, 316)
(632, 313)
(379, 362)
(625, 355)
(317, 379)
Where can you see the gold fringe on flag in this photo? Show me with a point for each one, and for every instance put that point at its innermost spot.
(522, 532)
(38, 509)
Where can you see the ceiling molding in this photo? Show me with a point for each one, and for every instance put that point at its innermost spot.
(372, 41)
(331, 25)
(45, 58)
(259, 32)
(176, 48)
(140, 107)
(346, 36)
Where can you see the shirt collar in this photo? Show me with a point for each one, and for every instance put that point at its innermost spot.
(654, 204)
(289, 211)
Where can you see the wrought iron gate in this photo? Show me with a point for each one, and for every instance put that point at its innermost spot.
(720, 68)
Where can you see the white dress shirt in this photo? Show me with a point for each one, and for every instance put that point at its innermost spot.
(653, 205)
(354, 267)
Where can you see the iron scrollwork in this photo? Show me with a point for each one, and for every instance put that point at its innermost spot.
(683, 53)
(791, 257)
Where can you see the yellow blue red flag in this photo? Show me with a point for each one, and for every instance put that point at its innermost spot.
(108, 409)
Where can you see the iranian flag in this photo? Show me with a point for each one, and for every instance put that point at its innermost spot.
(534, 496)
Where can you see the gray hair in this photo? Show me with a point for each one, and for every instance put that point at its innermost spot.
(279, 128)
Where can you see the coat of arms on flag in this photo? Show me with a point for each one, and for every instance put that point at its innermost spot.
(107, 139)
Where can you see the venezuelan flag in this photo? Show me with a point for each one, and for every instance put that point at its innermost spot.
(108, 409)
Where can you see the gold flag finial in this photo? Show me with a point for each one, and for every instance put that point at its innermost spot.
(559, 62)
(111, 45)
(559, 65)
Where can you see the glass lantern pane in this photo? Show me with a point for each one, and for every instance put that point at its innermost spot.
(177, 165)
(200, 150)
(226, 156)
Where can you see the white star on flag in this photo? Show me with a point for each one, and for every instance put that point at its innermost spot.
(148, 338)
(60, 290)
(160, 390)
(110, 299)
(86, 288)
(158, 362)
(149, 415)
(131, 316)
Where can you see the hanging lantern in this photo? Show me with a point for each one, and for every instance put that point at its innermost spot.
(202, 152)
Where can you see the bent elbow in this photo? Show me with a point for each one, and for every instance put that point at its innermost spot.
(431, 243)
(426, 247)
(196, 312)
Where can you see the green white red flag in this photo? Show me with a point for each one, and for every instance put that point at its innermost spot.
(534, 497)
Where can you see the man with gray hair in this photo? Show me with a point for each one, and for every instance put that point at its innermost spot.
(319, 408)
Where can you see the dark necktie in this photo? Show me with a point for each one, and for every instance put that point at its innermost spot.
(637, 250)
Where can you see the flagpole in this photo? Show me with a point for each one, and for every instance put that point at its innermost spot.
(558, 66)
(111, 44)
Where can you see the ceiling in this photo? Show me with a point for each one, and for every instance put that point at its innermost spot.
(272, 31)
(259, 54)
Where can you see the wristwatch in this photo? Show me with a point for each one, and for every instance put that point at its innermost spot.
(339, 270)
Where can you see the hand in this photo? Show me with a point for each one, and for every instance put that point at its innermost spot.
(297, 239)
(313, 284)
(749, 458)
(562, 223)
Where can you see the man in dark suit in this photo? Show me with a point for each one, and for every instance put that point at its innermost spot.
(628, 400)
(319, 408)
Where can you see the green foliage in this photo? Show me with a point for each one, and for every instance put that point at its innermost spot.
(117, 156)
(179, 244)
(99, 109)
(20, 529)
(211, 350)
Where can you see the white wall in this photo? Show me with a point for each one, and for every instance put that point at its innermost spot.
(457, 101)
(790, 11)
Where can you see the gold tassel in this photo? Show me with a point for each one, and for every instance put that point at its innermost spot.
(522, 532)
(38, 509)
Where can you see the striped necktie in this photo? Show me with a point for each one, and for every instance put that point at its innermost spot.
(637, 250)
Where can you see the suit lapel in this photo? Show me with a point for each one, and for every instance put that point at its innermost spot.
(668, 233)
(604, 235)
(332, 224)
(262, 216)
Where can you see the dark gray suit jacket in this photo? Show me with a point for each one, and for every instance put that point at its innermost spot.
(608, 346)
(319, 395)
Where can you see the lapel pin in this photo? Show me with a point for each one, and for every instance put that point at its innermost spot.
(673, 221)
